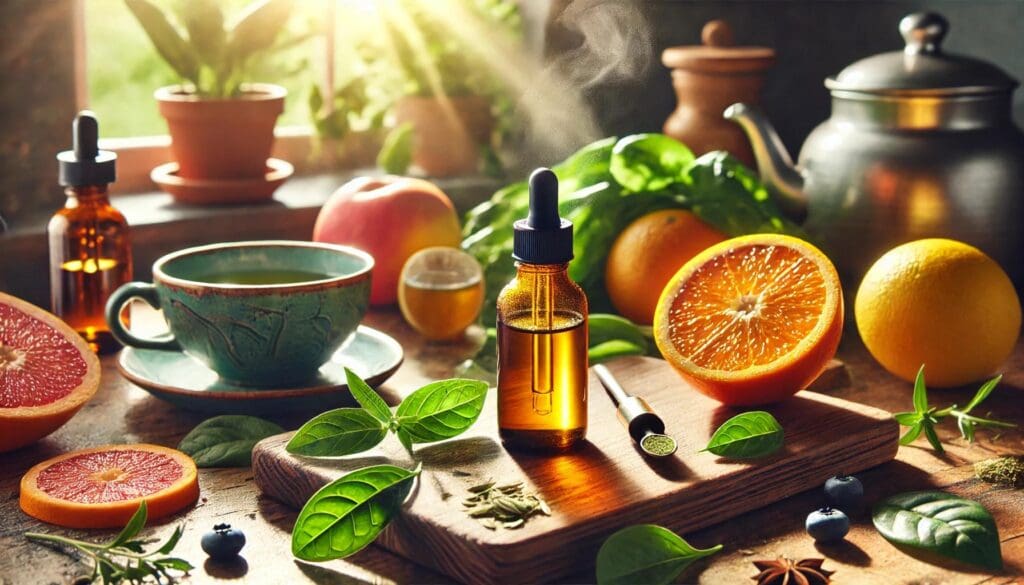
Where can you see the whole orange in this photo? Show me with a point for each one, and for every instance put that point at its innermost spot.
(646, 255)
(391, 218)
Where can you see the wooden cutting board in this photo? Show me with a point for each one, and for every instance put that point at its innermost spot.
(602, 487)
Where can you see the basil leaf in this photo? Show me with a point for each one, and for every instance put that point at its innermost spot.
(649, 162)
(338, 432)
(646, 554)
(132, 528)
(940, 523)
(226, 440)
(441, 410)
(748, 435)
(367, 397)
(347, 514)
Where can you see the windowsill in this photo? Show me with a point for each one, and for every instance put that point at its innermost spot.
(159, 225)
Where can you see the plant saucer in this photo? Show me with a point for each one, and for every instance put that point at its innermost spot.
(221, 191)
(183, 381)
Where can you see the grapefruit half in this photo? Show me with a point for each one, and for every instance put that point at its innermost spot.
(47, 372)
(102, 487)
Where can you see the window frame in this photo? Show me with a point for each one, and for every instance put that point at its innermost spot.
(138, 155)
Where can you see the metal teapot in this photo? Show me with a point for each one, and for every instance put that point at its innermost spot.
(920, 144)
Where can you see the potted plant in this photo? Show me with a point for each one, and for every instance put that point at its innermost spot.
(221, 127)
(445, 101)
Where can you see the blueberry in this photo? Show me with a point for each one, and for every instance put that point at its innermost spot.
(223, 542)
(827, 525)
(844, 492)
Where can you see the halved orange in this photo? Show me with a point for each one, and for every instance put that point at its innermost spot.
(751, 320)
(102, 487)
(47, 373)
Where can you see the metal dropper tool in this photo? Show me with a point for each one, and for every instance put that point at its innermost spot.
(646, 428)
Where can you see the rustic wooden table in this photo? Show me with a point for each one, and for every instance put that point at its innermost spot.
(124, 413)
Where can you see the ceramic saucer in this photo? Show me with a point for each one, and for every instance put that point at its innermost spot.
(185, 382)
(218, 191)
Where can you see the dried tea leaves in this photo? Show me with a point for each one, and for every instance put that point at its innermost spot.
(507, 506)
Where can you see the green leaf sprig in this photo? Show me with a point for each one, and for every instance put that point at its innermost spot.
(646, 553)
(437, 411)
(226, 440)
(924, 416)
(747, 436)
(124, 559)
(346, 515)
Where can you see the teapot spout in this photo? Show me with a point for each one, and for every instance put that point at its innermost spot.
(773, 162)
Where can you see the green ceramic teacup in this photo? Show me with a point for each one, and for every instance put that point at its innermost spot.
(265, 313)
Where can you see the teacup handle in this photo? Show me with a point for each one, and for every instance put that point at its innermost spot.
(117, 301)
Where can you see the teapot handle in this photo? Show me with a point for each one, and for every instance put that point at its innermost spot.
(923, 32)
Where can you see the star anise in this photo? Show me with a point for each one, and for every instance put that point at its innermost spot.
(783, 571)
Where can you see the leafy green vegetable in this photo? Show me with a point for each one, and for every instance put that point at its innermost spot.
(367, 397)
(924, 417)
(441, 410)
(227, 440)
(940, 523)
(395, 154)
(604, 187)
(346, 515)
(646, 553)
(338, 432)
(746, 436)
(124, 559)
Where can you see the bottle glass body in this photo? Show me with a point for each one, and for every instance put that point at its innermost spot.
(542, 359)
(90, 256)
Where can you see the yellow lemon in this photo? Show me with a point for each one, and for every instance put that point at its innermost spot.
(940, 303)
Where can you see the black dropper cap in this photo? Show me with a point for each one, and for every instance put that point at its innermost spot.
(86, 164)
(543, 237)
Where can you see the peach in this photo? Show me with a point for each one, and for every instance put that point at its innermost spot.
(391, 218)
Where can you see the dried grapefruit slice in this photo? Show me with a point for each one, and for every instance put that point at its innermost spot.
(753, 319)
(102, 487)
(47, 372)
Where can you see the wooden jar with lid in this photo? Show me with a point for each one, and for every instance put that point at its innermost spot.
(707, 79)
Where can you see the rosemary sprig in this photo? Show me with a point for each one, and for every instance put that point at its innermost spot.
(924, 417)
(124, 559)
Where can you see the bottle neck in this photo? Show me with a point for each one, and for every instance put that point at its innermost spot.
(525, 268)
(79, 194)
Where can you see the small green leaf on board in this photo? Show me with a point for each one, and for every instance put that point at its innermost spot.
(646, 553)
(746, 436)
(338, 432)
(346, 515)
(441, 410)
(367, 397)
(939, 523)
(226, 440)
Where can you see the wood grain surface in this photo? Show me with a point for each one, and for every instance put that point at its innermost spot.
(123, 413)
(604, 485)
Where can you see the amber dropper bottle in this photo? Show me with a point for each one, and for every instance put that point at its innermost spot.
(90, 250)
(542, 332)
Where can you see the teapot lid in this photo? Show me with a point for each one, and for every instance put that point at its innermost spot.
(718, 54)
(922, 68)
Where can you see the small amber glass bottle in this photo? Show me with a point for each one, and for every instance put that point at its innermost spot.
(542, 332)
(90, 250)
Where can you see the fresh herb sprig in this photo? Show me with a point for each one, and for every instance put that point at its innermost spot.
(346, 515)
(437, 411)
(124, 559)
(924, 416)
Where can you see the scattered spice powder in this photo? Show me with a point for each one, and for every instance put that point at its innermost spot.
(1006, 471)
(503, 505)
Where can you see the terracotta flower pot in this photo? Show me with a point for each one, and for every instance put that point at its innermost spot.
(227, 138)
(448, 133)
